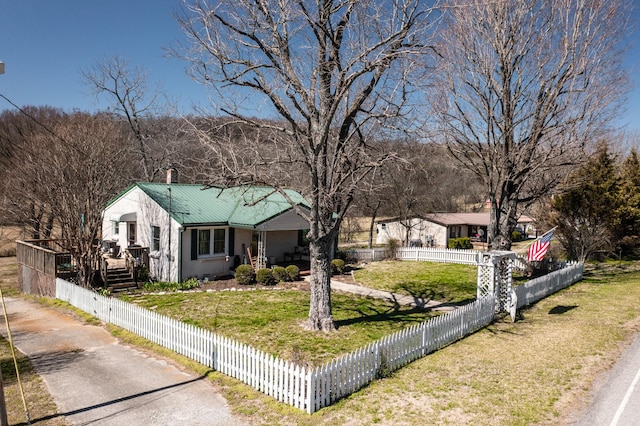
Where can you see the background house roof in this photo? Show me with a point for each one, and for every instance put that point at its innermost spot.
(478, 219)
(450, 219)
(246, 206)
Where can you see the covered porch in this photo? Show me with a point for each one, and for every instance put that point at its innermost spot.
(280, 240)
(262, 255)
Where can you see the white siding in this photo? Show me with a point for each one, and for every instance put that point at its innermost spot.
(281, 237)
(147, 214)
(420, 229)
(214, 266)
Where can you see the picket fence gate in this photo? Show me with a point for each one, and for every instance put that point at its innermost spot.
(306, 388)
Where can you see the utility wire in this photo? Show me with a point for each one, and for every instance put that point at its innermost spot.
(44, 126)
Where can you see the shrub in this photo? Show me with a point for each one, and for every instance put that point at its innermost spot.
(293, 272)
(391, 248)
(189, 284)
(337, 266)
(264, 276)
(460, 243)
(280, 274)
(153, 286)
(516, 236)
(143, 274)
(245, 274)
(348, 255)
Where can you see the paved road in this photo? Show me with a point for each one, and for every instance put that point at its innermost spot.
(96, 380)
(617, 398)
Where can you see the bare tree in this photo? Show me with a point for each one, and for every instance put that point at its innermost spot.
(79, 178)
(61, 176)
(525, 85)
(133, 98)
(22, 204)
(330, 73)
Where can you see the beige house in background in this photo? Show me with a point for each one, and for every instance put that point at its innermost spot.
(435, 229)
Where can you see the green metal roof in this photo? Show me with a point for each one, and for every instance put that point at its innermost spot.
(241, 206)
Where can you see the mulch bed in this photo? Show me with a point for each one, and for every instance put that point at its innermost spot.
(230, 284)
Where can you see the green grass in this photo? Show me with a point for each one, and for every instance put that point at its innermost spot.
(271, 320)
(534, 371)
(438, 281)
(40, 405)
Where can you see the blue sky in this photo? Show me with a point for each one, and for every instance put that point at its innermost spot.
(45, 43)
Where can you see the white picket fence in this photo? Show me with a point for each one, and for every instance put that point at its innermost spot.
(543, 286)
(427, 254)
(366, 255)
(305, 388)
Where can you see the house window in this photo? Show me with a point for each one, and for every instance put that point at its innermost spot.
(155, 238)
(211, 242)
(218, 241)
(204, 242)
(116, 228)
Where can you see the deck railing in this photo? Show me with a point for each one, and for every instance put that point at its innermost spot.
(42, 255)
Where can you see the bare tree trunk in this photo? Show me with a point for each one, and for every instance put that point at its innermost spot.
(48, 229)
(372, 225)
(320, 316)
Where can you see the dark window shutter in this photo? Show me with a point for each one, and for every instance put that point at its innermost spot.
(232, 242)
(194, 244)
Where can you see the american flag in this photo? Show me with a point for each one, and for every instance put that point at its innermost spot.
(539, 248)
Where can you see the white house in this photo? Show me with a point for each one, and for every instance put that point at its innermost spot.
(436, 229)
(196, 231)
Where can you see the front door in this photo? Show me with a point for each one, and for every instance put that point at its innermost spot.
(131, 233)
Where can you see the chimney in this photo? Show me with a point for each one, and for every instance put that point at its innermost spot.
(172, 175)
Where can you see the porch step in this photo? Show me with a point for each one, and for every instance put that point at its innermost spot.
(120, 279)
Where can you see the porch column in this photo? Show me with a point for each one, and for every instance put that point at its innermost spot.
(261, 262)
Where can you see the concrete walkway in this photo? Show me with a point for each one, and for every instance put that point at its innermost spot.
(96, 380)
(391, 297)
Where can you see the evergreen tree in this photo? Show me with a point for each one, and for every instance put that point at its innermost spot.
(585, 212)
(627, 215)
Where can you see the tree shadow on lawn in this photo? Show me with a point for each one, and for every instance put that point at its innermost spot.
(423, 296)
(396, 313)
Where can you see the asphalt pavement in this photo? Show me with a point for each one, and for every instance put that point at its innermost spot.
(94, 379)
(616, 397)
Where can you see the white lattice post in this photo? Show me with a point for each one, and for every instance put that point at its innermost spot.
(505, 280)
(495, 277)
(486, 275)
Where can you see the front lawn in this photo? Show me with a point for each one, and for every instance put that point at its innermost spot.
(271, 320)
(445, 282)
